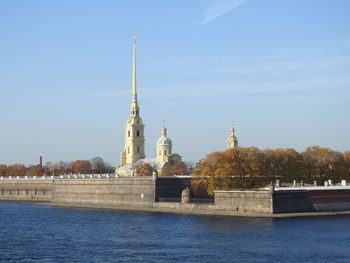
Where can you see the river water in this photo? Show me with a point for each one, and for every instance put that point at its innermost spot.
(34, 233)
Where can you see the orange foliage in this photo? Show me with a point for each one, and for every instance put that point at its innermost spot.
(145, 169)
(37, 171)
(81, 167)
(174, 166)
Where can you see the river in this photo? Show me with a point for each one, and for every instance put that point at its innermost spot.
(35, 233)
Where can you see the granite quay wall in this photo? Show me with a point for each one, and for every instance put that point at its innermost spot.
(244, 201)
(128, 191)
(291, 201)
(26, 190)
(154, 194)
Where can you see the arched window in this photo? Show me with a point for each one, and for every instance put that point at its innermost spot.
(164, 152)
(138, 149)
(138, 133)
(128, 133)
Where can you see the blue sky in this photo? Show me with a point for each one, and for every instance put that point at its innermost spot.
(279, 69)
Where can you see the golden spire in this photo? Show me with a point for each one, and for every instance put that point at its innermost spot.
(134, 93)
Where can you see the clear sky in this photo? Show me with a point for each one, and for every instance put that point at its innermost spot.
(279, 69)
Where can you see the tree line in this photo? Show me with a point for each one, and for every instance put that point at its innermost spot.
(248, 167)
(173, 166)
(95, 165)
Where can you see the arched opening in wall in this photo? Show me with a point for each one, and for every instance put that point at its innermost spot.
(138, 133)
(18, 192)
(10, 191)
(2, 191)
(44, 192)
(35, 192)
(138, 149)
(128, 133)
(27, 192)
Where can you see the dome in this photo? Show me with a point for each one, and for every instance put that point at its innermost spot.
(164, 140)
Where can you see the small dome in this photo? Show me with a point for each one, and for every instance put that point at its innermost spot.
(164, 140)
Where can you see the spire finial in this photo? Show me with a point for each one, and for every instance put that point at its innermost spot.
(164, 129)
(134, 92)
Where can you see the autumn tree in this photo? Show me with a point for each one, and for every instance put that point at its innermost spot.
(293, 165)
(234, 168)
(81, 166)
(208, 172)
(16, 170)
(145, 169)
(36, 171)
(174, 165)
(99, 166)
(272, 164)
(323, 163)
(3, 170)
(346, 157)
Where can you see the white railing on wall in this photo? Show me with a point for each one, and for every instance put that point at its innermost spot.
(64, 176)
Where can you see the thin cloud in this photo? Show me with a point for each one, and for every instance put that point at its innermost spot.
(220, 8)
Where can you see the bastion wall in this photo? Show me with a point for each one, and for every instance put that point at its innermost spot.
(131, 191)
(164, 194)
(26, 190)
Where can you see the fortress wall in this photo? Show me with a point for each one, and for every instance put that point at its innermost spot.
(244, 201)
(330, 200)
(132, 191)
(291, 202)
(26, 190)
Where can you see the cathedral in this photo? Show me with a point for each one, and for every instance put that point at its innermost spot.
(133, 154)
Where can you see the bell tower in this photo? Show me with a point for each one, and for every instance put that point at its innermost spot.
(164, 147)
(134, 129)
(232, 139)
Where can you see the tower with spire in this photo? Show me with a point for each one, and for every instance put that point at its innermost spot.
(134, 149)
(232, 139)
(164, 147)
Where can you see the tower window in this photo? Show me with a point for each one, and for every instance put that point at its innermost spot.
(164, 152)
(137, 133)
(138, 149)
(128, 150)
(128, 133)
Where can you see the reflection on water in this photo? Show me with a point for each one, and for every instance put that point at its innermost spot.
(32, 233)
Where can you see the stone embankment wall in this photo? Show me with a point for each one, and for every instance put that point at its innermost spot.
(291, 202)
(147, 193)
(26, 190)
(244, 201)
(131, 191)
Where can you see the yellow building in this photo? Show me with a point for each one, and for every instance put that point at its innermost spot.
(134, 129)
(164, 147)
(133, 154)
(232, 140)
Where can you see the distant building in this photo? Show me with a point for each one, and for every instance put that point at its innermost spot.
(232, 140)
(164, 147)
(133, 154)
